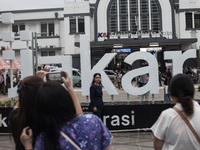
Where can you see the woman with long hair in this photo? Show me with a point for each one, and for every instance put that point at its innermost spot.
(170, 130)
(96, 95)
(56, 117)
(22, 114)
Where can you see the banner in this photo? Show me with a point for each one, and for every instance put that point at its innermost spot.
(117, 116)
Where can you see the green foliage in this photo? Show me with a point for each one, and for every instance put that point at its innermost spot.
(9, 102)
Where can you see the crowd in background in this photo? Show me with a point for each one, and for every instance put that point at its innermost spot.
(5, 82)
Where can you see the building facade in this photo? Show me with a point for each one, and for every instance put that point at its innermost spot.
(121, 26)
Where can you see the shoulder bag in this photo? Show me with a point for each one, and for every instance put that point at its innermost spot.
(188, 123)
(68, 139)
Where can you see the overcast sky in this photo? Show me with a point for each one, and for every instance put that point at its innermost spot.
(6, 5)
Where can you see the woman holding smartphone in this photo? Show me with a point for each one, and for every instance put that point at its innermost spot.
(57, 126)
(22, 114)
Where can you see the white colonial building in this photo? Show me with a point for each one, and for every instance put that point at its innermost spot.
(121, 26)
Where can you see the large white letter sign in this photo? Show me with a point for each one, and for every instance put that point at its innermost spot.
(27, 66)
(26, 69)
(87, 73)
(152, 70)
(26, 63)
(178, 59)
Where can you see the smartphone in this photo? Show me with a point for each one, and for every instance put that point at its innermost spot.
(56, 77)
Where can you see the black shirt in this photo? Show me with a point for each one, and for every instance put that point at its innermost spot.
(96, 95)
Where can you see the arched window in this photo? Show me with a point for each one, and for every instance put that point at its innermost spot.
(134, 15)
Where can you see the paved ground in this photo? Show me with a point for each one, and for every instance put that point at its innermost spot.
(128, 140)
(122, 141)
(121, 97)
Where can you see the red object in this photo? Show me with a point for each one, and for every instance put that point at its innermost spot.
(16, 64)
(3, 63)
(6, 65)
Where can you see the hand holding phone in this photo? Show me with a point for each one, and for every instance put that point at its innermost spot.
(56, 77)
(67, 80)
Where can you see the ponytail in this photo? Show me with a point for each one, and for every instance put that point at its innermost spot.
(182, 87)
(187, 104)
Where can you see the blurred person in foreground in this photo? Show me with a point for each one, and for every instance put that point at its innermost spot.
(170, 131)
(23, 112)
(57, 125)
(20, 116)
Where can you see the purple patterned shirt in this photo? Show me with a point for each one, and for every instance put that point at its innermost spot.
(87, 131)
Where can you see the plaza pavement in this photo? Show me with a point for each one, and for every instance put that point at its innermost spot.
(121, 141)
(126, 140)
(121, 97)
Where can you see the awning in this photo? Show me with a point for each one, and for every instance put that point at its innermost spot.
(141, 42)
(6, 64)
(16, 64)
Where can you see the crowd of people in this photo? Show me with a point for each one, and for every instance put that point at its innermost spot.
(5, 82)
(48, 116)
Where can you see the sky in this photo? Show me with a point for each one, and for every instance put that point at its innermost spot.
(6, 5)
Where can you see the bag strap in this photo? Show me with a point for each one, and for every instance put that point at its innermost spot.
(68, 139)
(188, 123)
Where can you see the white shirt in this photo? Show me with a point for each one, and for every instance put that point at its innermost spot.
(171, 128)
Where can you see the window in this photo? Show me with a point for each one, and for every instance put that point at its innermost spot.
(155, 20)
(47, 29)
(123, 12)
(144, 6)
(43, 29)
(77, 25)
(138, 16)
(44, 54)
(123, 7)
(22, 27)
(113, 24)
(188, 20)
(73, 25)
(145, 23)
(133, 16)
(17, 28)
(133, 7)
(190, 23)
(52, 53)
(51, 29)
(154, 7)
(144, 10)
(113, 8)
(81, 25)
(197, 20)
(134, 24)
(124, 23)
(113, 17)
